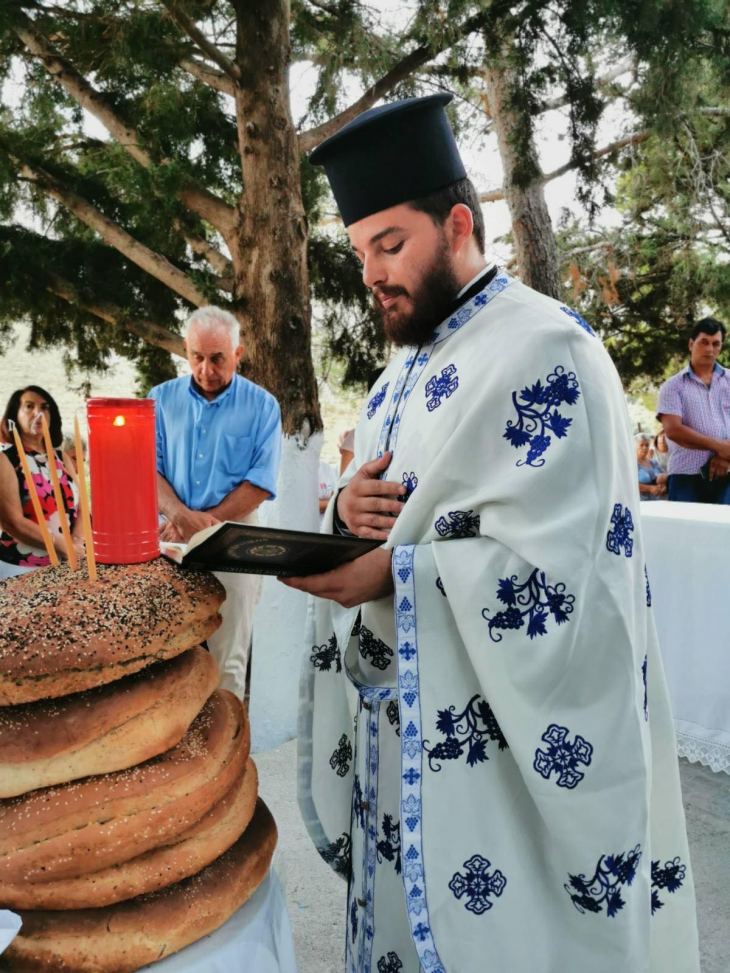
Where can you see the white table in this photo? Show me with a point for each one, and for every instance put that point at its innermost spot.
(256, 939)
(688, 561)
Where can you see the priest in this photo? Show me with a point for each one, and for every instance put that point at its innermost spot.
(486, 747)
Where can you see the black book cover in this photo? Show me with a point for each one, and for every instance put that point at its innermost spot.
(247, 549)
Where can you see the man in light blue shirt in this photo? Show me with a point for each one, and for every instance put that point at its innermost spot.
(218, 449)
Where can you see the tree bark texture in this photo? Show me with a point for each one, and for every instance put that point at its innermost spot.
(269, 249)
(535, 247)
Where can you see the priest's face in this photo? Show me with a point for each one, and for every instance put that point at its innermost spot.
(408, 267)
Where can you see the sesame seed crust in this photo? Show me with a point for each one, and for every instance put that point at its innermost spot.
(124, 937)
(62, 634)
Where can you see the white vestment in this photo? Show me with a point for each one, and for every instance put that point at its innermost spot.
(488, 754)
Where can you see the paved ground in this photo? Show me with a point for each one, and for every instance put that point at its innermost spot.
(317, 896)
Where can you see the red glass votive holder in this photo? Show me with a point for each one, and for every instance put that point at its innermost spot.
(123, 472)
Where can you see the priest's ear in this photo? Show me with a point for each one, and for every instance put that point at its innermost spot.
(461, 226)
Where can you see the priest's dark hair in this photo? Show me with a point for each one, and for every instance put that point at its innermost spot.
(438, 205)
(11, 413)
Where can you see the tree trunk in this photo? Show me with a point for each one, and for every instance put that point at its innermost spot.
(269, 252)
(535, 248)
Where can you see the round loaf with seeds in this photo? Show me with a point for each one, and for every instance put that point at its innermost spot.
(61, 634)
(74, 829)
(122, 938)
(101, 730)
(181, 857)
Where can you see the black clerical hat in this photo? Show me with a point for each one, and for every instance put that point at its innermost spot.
(390, 155)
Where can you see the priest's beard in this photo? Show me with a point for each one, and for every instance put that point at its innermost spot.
(429, 303)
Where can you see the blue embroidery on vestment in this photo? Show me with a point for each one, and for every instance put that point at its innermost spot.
(391, 711)
(623, 528)
(390, 963)
(440, 586)
(358, 806)
(467, 731)
(538, 416)
(478, 884)
(353, 918)
(648, 589)
(604, 888)
(460, 523)
(441, 387)
(323, 657)
(374, 650)
(562, 757)
(414, 881)
(337, 854)
(341, 757)
(389, 845)
(578, 319)
(377, 400)
(644, 666)
(671, 878)
(531, 600)
(410, 482)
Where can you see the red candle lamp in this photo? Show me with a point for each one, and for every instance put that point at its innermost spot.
(123, 473)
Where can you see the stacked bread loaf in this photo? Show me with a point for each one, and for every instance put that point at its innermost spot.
(130, 824)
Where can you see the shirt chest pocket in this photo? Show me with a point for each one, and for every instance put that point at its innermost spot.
(235, 455)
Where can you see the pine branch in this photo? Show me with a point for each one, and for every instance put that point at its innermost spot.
(152, 263)
(197, 198)
(214, 79)
(403, 69)
(189, 26)
(149, 331)
(220, 263)
(491, 196)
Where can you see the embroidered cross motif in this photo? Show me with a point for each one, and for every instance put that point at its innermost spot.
(562, 757)
(377, 400)
(374, 650)
(480, 300)
(538, 416)
(531, 600)
(623, 528)
(466, 731)
(324, 656)
(441, 387)
(341, 757)
(670, 878)
(389, 964)
(460, 523)
(421, 931)
(578, 319)
(389, 844)
(478, 884)
(604, 888)
(337, 854)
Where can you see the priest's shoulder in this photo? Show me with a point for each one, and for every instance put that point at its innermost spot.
(539, 309)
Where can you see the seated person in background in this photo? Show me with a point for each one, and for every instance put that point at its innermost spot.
(327, 484)
(346, 446)
(652, 481)
(694, 409)
(661, 450)
(21, 542)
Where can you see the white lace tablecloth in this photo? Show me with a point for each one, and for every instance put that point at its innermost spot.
(256, 939)
(688, 563)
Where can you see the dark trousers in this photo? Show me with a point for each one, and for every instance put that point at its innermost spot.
(696, 489)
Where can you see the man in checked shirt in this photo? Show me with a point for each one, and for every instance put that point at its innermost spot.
(694, 409)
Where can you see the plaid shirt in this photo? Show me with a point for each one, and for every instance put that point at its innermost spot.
(706, 410)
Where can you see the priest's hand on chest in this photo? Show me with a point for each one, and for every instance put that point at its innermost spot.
(368, 505)
(367, 578)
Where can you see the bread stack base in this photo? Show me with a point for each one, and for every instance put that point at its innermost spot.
(125, 937)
